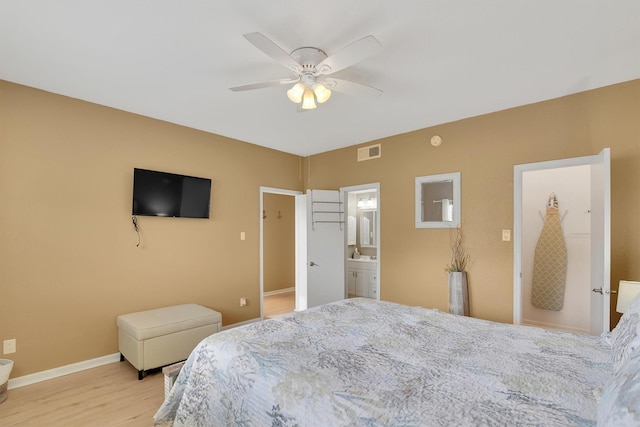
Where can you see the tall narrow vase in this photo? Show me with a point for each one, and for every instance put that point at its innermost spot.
(458, 293)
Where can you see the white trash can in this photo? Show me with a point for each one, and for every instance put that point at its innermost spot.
(6, 366)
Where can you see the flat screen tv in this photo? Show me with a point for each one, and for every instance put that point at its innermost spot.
(167, 194)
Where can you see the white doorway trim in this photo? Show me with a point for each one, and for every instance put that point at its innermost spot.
(345, 196)
(268, 190)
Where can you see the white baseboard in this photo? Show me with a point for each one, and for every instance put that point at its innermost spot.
(235, 325)
(547, 325)
(83, 366)
(61, 371)
(279, 291)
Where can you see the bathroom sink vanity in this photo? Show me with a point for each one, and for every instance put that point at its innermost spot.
(362, 277)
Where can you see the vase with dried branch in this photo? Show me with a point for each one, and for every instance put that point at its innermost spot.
(458, 288)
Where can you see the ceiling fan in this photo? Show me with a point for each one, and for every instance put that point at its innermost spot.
(312, 70)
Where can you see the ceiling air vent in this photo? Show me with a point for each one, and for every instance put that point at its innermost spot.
(370, 152)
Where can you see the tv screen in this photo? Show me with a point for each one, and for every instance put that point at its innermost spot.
(167, 194)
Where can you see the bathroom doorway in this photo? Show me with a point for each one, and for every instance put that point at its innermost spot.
(362, 240)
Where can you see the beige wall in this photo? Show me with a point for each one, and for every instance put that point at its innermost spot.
(68, 257)
(279, 242)
(485, 149)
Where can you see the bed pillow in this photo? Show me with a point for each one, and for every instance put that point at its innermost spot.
(620, 402)
(625, 337)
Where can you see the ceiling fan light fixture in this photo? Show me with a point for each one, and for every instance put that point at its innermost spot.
(295, 93)
(311, 67)
(322, 93)
(308, 100)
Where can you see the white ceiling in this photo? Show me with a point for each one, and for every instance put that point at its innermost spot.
(440, 61)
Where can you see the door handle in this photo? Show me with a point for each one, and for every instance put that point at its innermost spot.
(313, 264)
(599, 291)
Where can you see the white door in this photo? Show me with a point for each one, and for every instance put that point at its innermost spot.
(320, 255)
(600, 242)
(600, 235)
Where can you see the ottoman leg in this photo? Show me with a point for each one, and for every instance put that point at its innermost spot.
(140, 375)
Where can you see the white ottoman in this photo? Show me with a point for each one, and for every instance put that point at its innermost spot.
(154, 338)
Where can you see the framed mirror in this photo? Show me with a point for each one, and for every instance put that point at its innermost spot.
(368, 228)
(438, 201)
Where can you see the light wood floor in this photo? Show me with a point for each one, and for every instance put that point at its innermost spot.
(279, 304)
(109, 395)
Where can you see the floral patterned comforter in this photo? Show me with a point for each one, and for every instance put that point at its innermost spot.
(361, 362)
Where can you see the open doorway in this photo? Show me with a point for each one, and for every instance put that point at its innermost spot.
(582, 187)
(571, 187)
(362, 240)
(277, 252)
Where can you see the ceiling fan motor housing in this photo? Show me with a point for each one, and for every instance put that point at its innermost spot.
(309, 58)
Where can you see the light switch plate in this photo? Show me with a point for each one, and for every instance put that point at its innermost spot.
(506, 235)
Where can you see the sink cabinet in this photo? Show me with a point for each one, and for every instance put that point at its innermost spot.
(362, 278)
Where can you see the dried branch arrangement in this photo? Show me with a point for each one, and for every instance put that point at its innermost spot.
(459, 256)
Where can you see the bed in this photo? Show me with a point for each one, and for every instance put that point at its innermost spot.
(361, 362)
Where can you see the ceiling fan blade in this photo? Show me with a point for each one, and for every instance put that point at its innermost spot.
(262, 85)
(273, 51)
(349, 55)
(352, 88)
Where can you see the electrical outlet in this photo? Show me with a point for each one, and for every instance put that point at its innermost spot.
(506, 235)
(243, 302)
(9, 346)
